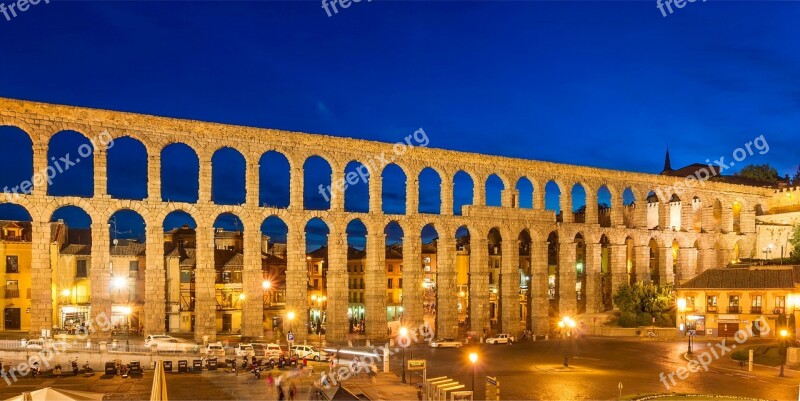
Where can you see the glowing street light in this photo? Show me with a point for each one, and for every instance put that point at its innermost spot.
(473, 357)
(404, 343)
(119, 282)
(266, 285)
(784, 334)
(65, 292)
(566, 325)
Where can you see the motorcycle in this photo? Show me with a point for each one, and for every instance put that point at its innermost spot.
(87, 370)
(75, 367)
(34, 370)
(293, 361)
(269, 364)
(244, 363)
(281, 362)
(57, 370)
(256, 370)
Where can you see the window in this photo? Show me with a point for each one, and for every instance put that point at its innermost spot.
(226, 277)
(134, 268)
(491, 278)
(733, 304)
(186, 276)
(689, 303)
(12, 264)
(400, 284)
(401, 268)
(780, 304)
(711, 304)
(389, 284)
(391, 268)
(316, 284)
(12, 289)
(81, 270)
(755, 304)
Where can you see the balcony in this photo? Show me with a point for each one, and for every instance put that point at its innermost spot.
(12, 293)
(755, 310)
(779, 310)
(733, 309)
(711, 309)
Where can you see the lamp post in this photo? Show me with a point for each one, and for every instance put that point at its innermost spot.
(404, 343)
(127, 312)
(684, 325)
(473, 357)
(784, 333)
(766, 251)
(566, 324)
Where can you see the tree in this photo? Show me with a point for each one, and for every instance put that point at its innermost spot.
(795, 241)
(640, 303)
(796, 178)
(761, 172)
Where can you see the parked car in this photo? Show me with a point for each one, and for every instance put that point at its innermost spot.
(150, 339)
(244, 350)
(215, 349)
(36, 344)
(273, 351)
(446, 343)
(500, 339)
(309, 352)
(175, 345)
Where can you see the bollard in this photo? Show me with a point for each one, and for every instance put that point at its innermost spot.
(368, 343)
(750, 362)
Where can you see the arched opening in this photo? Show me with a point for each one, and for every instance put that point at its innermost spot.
(606, 283)
(525, 190)
(180, 174)
(630, 265)
(628, 208)
(71, 156)
(677, 272)
(127, 169)
(552, 199)
(393, 180)
(274, 233)
(127, 265)
(429, 239)
(463, 192)
(274, 178)
(356, 266)
(653, 211)
(736, 252)
(228, 266)
(580, 272)
(14, 213)
(16, 161)
(394, 273)
(737, 217)
(675, 206)
(717, 216)
(525, 277)
(317, 189)
(317, 263)
(697, 215)
(578, 204)
(495, 241)
(228, 182)
(494, 190)
(180, 262)
(655, 259)
(604, 206)
(553, 290)
(463, 278)
(72, 235)
(430, 191)
(356, 192)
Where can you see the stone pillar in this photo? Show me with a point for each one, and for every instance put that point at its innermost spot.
(479, 190)
(205, 310)
(252, 277)
(412, 194)
(100, 279)
(40, 164)
(687, 264)
(540, 319)
(375, 282)
(375, 193)
(447, 195)
(251, 186)
(664, 216)
(478, 283)
(100, 176)
(594, 283)
(567, 298)
(296, 285)
(640, 213)
(687, 216)
(155, 279)
(336, 196)
(748, 221)
(641, 257)
(509, 287)
(154, 180)
(412, 281)
(727, 219)
(619, 267)
(296, 190)
(665, 260)
(566, 204)
(591, 204)
(706, 259)
(707, 218)
(617, 205)
(446, 296)
(509, 198)
(204, 189)
(337, 288)
(538, 194)
(41, 278)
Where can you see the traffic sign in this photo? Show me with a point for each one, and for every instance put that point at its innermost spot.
(290, 336)
(692, 332)
(491, 380)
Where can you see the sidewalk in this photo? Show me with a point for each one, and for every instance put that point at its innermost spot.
(386, 386)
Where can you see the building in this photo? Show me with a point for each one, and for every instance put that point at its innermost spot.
(721, 301)
(15, 256)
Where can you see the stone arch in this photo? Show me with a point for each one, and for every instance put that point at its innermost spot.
(180, 173)
(463, 191)
(630, 262)
(128, 157)
(525, 191)
(356, 193)
(674, 210)
(653, 210)
(552, 198)
(16, 162)
(275, 175)
(228, 176)
(15, 212)
(655, 261)
(394, 182)
(430, 185)
(629, 207)
(317, 173)
(579, 203)
(553, 274)
(736, 210)
(494, 187)
(71, 155)
(580, 271)
(604, 205)
(606, 275)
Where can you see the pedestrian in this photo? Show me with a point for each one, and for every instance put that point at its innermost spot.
(292, 392)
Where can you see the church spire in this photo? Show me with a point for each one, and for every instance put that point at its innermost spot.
(667, 164)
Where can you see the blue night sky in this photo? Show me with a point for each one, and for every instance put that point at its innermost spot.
(606, 84)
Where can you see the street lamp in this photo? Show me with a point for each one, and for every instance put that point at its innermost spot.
(784, 334)
(684, 324)
(566, 324)
(404, 343)
(127, 312)
(266, 285)
(473, 357)
(766, 251)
